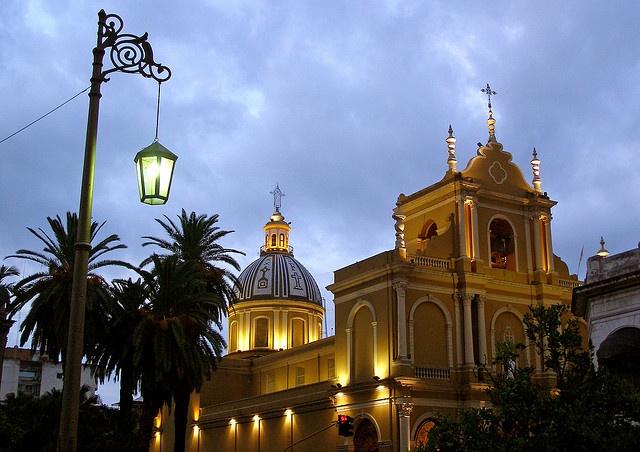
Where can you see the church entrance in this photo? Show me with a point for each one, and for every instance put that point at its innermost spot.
(365, 438)
(620, 353)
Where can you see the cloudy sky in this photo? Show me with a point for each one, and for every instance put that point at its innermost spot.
(344, 104)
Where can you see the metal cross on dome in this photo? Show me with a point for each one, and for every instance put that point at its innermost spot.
(277, 198)
(489, 93)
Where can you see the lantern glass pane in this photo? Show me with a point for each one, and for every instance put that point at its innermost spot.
(150, 173)
(166, 171)
(139, 173)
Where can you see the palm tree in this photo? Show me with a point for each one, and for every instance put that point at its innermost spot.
(176, 345)
(113, 354)
(6, 292)
(195, 240)
(207, 291)
(49, 290)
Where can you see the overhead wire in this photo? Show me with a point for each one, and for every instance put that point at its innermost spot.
(45, 115)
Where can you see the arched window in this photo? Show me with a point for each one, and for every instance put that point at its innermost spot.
(273, 240)
(281, 240)
(297, 332)
(366, 436)
(261, 332)
(502, 242)
(422, 434)
(233, 337)
(429, 230)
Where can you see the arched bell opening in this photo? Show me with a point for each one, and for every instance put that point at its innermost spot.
(502, 245)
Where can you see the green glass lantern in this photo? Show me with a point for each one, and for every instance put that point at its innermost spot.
(154, 165)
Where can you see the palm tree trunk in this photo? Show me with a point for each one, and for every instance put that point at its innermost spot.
(149, 412)
(181, 398)
(126, 399)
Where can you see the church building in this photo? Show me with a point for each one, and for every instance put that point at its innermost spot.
(416, 326)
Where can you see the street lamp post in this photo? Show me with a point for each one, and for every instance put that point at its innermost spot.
(129, 54)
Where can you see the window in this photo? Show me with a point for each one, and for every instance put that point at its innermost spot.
(502, 243)
(429, 230)
(299, 376)
(422, 435)
(261, 332)
(273, 240)
(297, 332)
(281, 240)
(269, 382)
(233, 337)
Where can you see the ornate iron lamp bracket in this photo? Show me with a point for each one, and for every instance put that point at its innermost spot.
(129, 53)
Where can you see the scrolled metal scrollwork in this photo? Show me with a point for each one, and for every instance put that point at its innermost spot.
(129, 53)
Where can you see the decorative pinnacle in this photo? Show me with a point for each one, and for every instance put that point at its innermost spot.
(535, 166)
(602, 252)
(491, 123)
(277, 198)
(451, 144)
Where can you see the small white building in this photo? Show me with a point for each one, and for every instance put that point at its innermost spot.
(28, 372)
(610, 303)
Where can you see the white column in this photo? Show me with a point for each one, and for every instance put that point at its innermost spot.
(537, 245)
(474, 229)
(374, 326)
(468, 332)
(449, 344)
(277, 334)
(527, 234)
(482, 332)
(412, 344)
(285, 329)
(401, 290)
(462, 236)
(247, 330)
(547, 230)
(458, 321)
(404, 412)
(349, 355)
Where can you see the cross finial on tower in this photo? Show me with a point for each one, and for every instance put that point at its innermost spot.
(491, 123)
(277, 198)
(489, 92)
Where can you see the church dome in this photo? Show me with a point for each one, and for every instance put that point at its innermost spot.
(278, 275)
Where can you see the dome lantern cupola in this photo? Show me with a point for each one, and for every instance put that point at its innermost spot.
(276, 231)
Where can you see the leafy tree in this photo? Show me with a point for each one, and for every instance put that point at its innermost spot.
(29, 424)
(175, 343)
(587, 410)
(49, 291)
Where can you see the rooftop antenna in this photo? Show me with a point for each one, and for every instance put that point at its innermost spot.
(580, 261)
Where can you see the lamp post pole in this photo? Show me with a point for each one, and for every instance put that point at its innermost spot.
(131, 54)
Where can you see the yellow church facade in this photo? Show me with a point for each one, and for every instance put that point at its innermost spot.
(416, 327)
